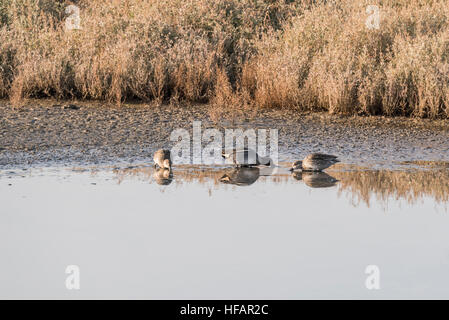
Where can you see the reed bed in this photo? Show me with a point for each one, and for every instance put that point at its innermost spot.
(236, 56)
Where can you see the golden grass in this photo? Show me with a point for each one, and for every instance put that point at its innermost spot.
(150, 50)
(237, 55)
(327, 59)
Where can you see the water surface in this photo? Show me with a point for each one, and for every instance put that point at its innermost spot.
(218, 233)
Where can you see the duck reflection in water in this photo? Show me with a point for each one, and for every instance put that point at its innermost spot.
(315, 179)
(163, 176)
(242, 176)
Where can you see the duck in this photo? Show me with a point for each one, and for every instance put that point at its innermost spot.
(244, 176)
(315, 179)
(163, 176)
(162, 159)
(315, 162)
(246, 158)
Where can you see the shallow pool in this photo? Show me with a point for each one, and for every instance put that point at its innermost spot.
(220, 233)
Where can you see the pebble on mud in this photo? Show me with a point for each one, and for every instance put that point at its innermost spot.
(71, 107)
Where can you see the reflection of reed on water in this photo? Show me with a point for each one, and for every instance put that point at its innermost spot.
(361, 184)
(184, 174)
(409, 185)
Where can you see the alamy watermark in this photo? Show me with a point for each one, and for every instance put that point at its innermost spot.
(372, 282)
(73, 21)
(72, 282)
(206, 146)
(373, 20)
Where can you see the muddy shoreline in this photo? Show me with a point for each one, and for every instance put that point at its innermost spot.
(48, 133)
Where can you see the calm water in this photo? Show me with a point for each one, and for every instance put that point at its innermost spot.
(217, 233)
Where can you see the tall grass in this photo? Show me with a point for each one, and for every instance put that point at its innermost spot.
(328, 59)
(236, 55)
(151, 50)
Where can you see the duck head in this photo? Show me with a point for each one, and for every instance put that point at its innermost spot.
(297, 165)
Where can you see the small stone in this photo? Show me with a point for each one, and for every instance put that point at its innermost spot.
(71, 107)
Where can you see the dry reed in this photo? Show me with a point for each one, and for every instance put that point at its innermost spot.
(236, 55)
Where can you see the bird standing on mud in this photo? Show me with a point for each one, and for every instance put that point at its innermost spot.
(246, 158)
(315, 162)
(162, 158)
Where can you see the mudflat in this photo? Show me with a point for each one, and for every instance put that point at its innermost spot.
(48, 133)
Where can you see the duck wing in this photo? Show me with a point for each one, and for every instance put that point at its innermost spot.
(241, 176)
(322, 157)
(242, 156)
(318, 180)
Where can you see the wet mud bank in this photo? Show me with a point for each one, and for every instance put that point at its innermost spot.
(50, 133)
